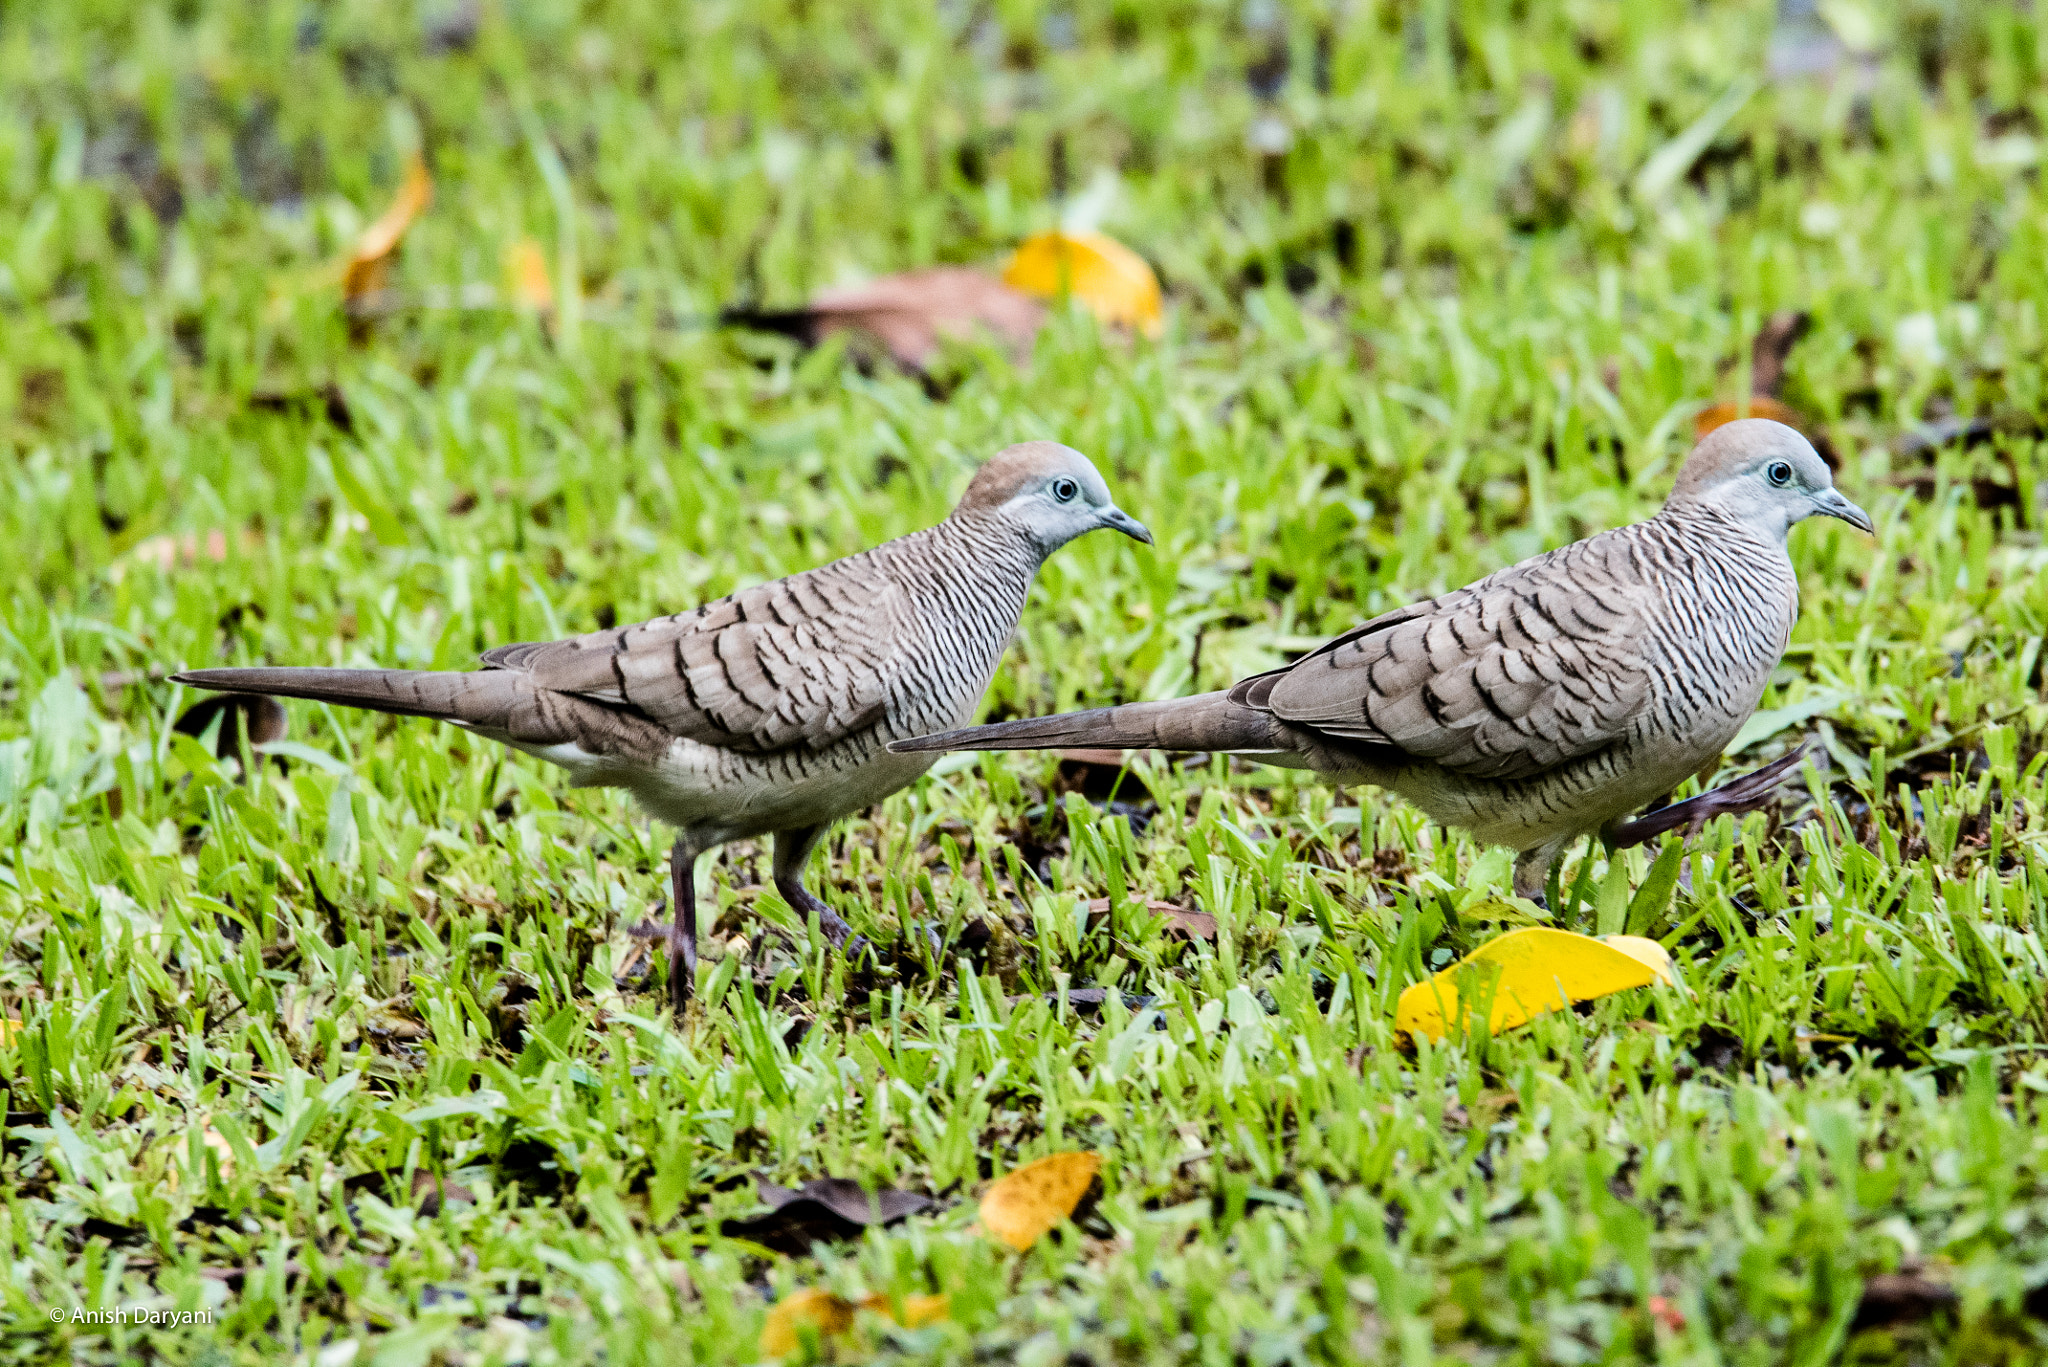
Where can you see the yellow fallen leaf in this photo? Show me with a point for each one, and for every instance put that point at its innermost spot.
(1111, 279)
(1021, 1207)
(9, 1030)
(526, 276)
(918, 1311)
(368, 263)
(1539, 970)
(820, 1309)
(1646, 952)
(830, 1314)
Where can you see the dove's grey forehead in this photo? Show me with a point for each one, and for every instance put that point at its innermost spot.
(1016, 468)
(1735, 447)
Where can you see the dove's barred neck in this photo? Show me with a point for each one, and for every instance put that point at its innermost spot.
(1734, 623)
(969, 578)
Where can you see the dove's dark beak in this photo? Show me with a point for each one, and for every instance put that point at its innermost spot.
(1832, 504)
(1118, 520)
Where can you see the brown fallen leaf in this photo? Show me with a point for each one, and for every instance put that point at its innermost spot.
(828, 1314)
(391, 1023)
(1756, 406)
(429, 1192)
(910, 314)
(259, 718)
(1113, 281)
(367, 266)
(1099, 775)
(1768, 355)
(1773, 347)
(1085, 999)
(824, 1210)
(1891, 1297)
(1189, 925)
(1185, 922)
(1024, 1205)
(328, 400)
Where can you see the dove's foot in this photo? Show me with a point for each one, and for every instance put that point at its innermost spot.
(1532, 872)
(804, 903)
(831, 925)
(1749, 793)
(792, 850)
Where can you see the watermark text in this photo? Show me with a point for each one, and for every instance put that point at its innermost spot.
(141, 1316)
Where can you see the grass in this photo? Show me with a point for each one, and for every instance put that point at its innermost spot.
(1449, 319)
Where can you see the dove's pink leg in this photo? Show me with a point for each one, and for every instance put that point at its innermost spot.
(682, 934)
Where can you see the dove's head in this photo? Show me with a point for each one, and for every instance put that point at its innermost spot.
(1049, 492)
(1764, 475)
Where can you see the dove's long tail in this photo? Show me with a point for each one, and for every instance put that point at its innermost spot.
(1208, 721)
(483, 697)
(504, 704)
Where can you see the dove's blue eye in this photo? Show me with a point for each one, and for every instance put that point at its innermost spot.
(1064, 490)
(1780, 473)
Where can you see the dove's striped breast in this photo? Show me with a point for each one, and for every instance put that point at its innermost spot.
(1717, 606)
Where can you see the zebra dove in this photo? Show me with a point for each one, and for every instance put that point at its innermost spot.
(1547, 700)
(767, 711)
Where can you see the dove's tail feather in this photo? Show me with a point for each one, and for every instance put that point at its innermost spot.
(480, 698)
(502, 703)
(1208, 721)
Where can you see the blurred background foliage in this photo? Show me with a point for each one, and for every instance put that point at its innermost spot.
(1452, 260)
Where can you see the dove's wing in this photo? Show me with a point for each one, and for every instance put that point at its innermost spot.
(1530, 667)
(803, 661)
